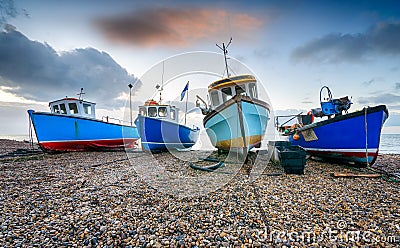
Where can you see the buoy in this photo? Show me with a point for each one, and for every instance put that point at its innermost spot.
(296, 125)
(150, 102)
(312, 116)
(296, 136)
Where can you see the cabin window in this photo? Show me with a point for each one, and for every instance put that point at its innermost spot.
(56, 109)
(239, 90)
(162, 111)
(63, 110)
(214, 98)
(87, 108)
(73, 109)
(142, 111)
(226, 94)
(253, 90)
(172, 114)
(152, 111)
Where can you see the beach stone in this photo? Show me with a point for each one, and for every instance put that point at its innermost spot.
(49, 201)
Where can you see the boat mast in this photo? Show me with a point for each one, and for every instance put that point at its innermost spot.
(187, 96)
(225, 50)
(162, 82)
(130, 101)
(80, 98)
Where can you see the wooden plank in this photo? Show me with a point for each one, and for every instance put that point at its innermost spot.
(341, 174)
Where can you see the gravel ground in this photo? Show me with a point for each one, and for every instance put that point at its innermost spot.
(102, 199)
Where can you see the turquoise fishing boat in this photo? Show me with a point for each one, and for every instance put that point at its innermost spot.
(235, 118)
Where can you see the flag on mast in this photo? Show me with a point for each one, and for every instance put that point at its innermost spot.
(184, 91)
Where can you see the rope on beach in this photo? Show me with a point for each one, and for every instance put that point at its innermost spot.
(257, 197)
(392, 177)
(387, 176)
(210, 168)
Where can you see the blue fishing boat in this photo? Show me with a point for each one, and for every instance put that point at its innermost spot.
(159, 128)
(71, 125)
(350, 137)
(236, 119)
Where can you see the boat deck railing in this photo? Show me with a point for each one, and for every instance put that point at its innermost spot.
(114, 120)
(288, 118)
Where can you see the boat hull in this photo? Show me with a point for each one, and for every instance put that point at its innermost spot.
(240, 123)
(57, 132)
(162, 135)
(352, 137)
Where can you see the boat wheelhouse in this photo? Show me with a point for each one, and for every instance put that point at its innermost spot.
(222, 90)
(154, 110)
(73, 106)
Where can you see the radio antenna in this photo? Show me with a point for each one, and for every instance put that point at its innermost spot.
(225, 50)
(81, 95)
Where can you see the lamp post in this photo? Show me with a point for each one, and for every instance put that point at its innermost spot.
(130, 101)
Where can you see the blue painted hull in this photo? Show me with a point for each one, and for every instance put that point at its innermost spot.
(57, 132)
(224, 128)
(161, 135)
(344, 138)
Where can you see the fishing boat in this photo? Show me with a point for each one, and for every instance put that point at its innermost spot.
(159, 126)
(71, 125)
(235, 118)
(348, 137)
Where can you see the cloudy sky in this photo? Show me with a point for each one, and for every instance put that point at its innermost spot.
(50, 49)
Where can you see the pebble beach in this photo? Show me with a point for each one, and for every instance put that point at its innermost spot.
(115, 199)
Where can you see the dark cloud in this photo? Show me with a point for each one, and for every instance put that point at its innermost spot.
(397, 86)
(176, 27)
(385, 98)
(36, 71)
(383, 38)
(7, 10)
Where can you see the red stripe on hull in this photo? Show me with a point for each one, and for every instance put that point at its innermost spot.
(88, 145)
(349, 156)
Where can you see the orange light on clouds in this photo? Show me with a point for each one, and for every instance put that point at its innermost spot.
(178, 27)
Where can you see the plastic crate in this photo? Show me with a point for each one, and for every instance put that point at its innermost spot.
(293, 159)
(279, 143)
(273, 145)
